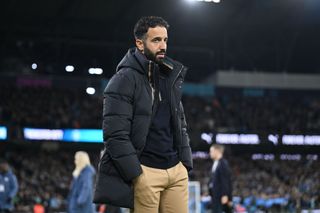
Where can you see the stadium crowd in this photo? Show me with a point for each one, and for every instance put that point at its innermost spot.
(230, 113)
(49, 108)
(70, 108)
(277, 185)
(44, 177)
(280, 186)
(287, 185)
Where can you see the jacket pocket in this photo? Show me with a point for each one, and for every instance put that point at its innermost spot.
(110, 187)
(113, 190)
(128, 166)
(125, 159)
(104, 164)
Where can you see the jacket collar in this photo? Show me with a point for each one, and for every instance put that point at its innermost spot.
(145, 63)
(136, 60)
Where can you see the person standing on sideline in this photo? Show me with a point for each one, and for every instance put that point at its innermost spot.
(147, 155)
(220, 186)
(8, 187)
(81, 193)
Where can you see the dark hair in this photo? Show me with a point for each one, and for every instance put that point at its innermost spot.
(144, 23)
(218, 147)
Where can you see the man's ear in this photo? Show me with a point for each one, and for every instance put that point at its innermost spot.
(139, 44)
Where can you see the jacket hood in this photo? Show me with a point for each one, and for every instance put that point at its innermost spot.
(134, 59)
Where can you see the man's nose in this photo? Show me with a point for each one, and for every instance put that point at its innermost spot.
(163, 45)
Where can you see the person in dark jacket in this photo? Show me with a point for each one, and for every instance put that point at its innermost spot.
(147, 154)
(8, 187)
(220, 186)
(81, 193)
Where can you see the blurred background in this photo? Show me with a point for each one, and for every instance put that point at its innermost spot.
(253, 85)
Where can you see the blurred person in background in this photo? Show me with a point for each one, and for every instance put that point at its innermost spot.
(220, 186)
(81, 193)
(8, 187)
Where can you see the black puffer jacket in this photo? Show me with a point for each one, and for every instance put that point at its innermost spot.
(130, 100)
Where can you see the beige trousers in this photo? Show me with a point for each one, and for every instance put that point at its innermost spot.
(161, 190)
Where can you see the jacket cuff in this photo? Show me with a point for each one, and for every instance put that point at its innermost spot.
(186, 157)
(128, 166)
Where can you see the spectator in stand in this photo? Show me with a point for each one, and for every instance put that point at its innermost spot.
(81, 193)
(8, 187)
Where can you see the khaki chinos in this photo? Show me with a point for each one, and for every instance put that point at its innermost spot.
(161, 190)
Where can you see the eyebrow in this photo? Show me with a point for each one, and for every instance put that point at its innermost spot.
(159, 38)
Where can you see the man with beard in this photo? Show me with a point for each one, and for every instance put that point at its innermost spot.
(147, 155)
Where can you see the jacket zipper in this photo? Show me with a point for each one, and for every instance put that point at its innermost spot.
(152, 96)
(149, 80)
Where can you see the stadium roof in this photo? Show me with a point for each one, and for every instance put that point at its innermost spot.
(266, 35)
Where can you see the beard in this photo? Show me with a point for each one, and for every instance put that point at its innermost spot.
(153, 56)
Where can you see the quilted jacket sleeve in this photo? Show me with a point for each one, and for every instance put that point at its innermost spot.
(117, 120)
(186, 154)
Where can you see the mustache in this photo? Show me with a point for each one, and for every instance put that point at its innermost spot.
(161, 52)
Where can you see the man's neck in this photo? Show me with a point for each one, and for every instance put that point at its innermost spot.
(218, 158)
